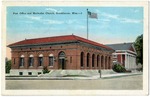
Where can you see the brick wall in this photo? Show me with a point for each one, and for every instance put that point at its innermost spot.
(72, 56)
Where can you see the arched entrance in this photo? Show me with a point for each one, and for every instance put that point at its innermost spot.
(62, 61)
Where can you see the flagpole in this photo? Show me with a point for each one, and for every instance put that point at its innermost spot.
(87, 24)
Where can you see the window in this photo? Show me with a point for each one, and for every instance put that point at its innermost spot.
(88, 59)
(51, 61)
(97, 60)
(31, 61)
(70, 59)
(82, 59)
(93, 57)
(21, 61)
(20, 73)
(115, 56)
(106, 62)
(14, 60)
(29, 73)
(102, 58)
(39, 73)
(109, 61)
(40, 61)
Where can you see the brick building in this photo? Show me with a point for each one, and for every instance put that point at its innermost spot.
(125, 54)
(68, 52)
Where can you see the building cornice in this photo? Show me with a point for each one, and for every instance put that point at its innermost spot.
(126, 51)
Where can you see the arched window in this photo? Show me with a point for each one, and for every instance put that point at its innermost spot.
(61, 55)
(14, 61)
(82, 59)
(106, 62)
(109, 63)
(88, 59)
(97, 60)
(102, 58)
(22, 60)
(31, 60)
(93, 63)
(51, 60)
(40, 59)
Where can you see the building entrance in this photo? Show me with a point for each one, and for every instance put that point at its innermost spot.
(62, 63)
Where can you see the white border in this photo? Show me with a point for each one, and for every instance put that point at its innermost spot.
(124, 3)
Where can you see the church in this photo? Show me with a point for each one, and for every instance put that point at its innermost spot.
(69, 52)
(125, 54)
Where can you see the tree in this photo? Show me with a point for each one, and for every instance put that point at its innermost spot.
(8, 66)
(139, 48)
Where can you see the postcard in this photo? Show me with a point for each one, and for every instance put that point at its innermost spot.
(75, 48)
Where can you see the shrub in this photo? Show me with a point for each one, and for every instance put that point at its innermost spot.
(8, 66)
(45, 70)
(118, 68)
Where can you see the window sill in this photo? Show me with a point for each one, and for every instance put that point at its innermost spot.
(40, 66)
(21, 67)
(30, 66)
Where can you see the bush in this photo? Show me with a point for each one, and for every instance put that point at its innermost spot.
(8, 66)
(45, 70)
(118, 68)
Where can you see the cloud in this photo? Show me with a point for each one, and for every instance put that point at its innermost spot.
(127, 20)
(105, 20)
(113, 16)
(71, 21)
(28, 22)
(44, 21)
(54, 10)
(121, 19)
(47, 21)
(33, 17)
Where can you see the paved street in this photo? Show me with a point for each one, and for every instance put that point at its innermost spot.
(133, 82)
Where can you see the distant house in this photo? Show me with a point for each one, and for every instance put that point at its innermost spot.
(125, 54)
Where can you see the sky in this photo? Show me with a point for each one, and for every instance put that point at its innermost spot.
(114, 24)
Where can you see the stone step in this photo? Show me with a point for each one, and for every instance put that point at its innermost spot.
(61, 73)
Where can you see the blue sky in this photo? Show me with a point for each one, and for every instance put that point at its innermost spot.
(114, 24)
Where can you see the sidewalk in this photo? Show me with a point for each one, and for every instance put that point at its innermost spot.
(106, 76)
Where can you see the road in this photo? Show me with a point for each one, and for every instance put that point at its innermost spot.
(134, 82)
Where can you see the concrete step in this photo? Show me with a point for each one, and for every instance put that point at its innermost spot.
(61, 73)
